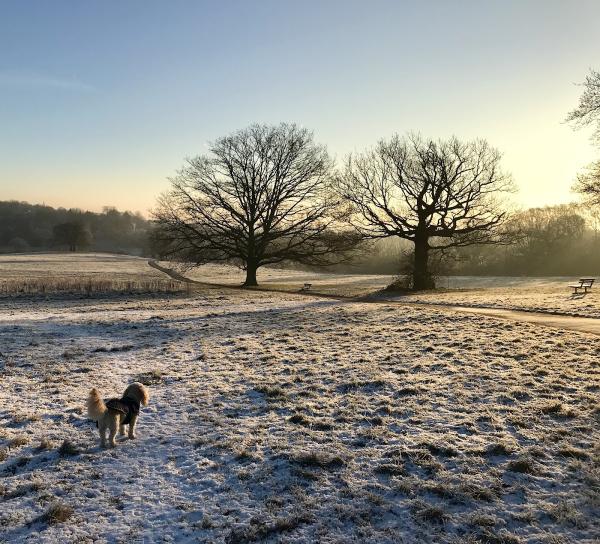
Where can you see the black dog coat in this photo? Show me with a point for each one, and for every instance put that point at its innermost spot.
(127, 406)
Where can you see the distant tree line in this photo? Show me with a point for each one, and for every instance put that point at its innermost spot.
(552, 241)
(555, 240)
(30, 227)
(559, 240)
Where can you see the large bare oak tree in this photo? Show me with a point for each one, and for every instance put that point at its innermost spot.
(262, 196)
(437, 194)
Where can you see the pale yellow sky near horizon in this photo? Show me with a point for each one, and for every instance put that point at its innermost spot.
(543, 159)
(543, 153)
(89, 122)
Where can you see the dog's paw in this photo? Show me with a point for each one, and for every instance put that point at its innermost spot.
(132, 437)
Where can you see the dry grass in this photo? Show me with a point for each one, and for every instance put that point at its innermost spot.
(67, 448)
(18, 441)
(88, 286)
(260, 530)
(524, 465)
(319, 459)
(57, 513)
(45, 444)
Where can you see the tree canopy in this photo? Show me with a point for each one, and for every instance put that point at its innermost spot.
(261, 196)
(437, 194)
(586, 114)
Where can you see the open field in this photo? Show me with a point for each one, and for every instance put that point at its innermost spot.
(89, 273)
(278, 418)
(550, 294)
(531, 294)
(81, 273)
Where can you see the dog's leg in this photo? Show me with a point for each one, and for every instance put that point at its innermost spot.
(132, 427)
(112, 431)
(102, 431)
(121, 430)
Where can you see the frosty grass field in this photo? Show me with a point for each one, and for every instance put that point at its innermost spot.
(277, 417)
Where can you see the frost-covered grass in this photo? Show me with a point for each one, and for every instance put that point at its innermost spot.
(88, 286)
(279, 418)
(529, 294)
(292, 280)
(37, 265)
(92, 273)
(550, 294)
(80, 273)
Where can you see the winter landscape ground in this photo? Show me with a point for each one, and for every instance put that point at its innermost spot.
(549, 294)
(276, 417)
(87, 273)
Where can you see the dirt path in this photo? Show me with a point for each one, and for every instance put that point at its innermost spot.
(588, 325)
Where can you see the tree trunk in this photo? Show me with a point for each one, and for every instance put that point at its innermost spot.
(251, 274)
(421, 277)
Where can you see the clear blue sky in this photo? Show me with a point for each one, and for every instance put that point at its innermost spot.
(101, 101)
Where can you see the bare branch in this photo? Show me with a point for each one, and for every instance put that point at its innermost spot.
(588, 111)
(262, 196)
(420, 190)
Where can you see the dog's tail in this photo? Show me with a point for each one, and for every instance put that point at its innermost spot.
(95, 405)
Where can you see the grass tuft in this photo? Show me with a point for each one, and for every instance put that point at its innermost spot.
(67, 448)
(390, 469)
(44, 444)
(153, 377)
(523, 465)
(430, 513)
(550, 408)
(573, 452)
(57, 513)
(271, 392)
(500, 448)
(317, 459)
(17, 441)
(262, 530)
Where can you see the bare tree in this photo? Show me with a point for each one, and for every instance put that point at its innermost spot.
(586, 114)
(588, 184)
(262, 196)
(438, 195)
(588, 111)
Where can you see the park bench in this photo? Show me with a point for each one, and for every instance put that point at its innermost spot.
(306, 287)
(584, 283)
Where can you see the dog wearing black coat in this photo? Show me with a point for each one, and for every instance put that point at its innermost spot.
(114, 414)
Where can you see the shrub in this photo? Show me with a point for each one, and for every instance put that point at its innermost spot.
(57, 513)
